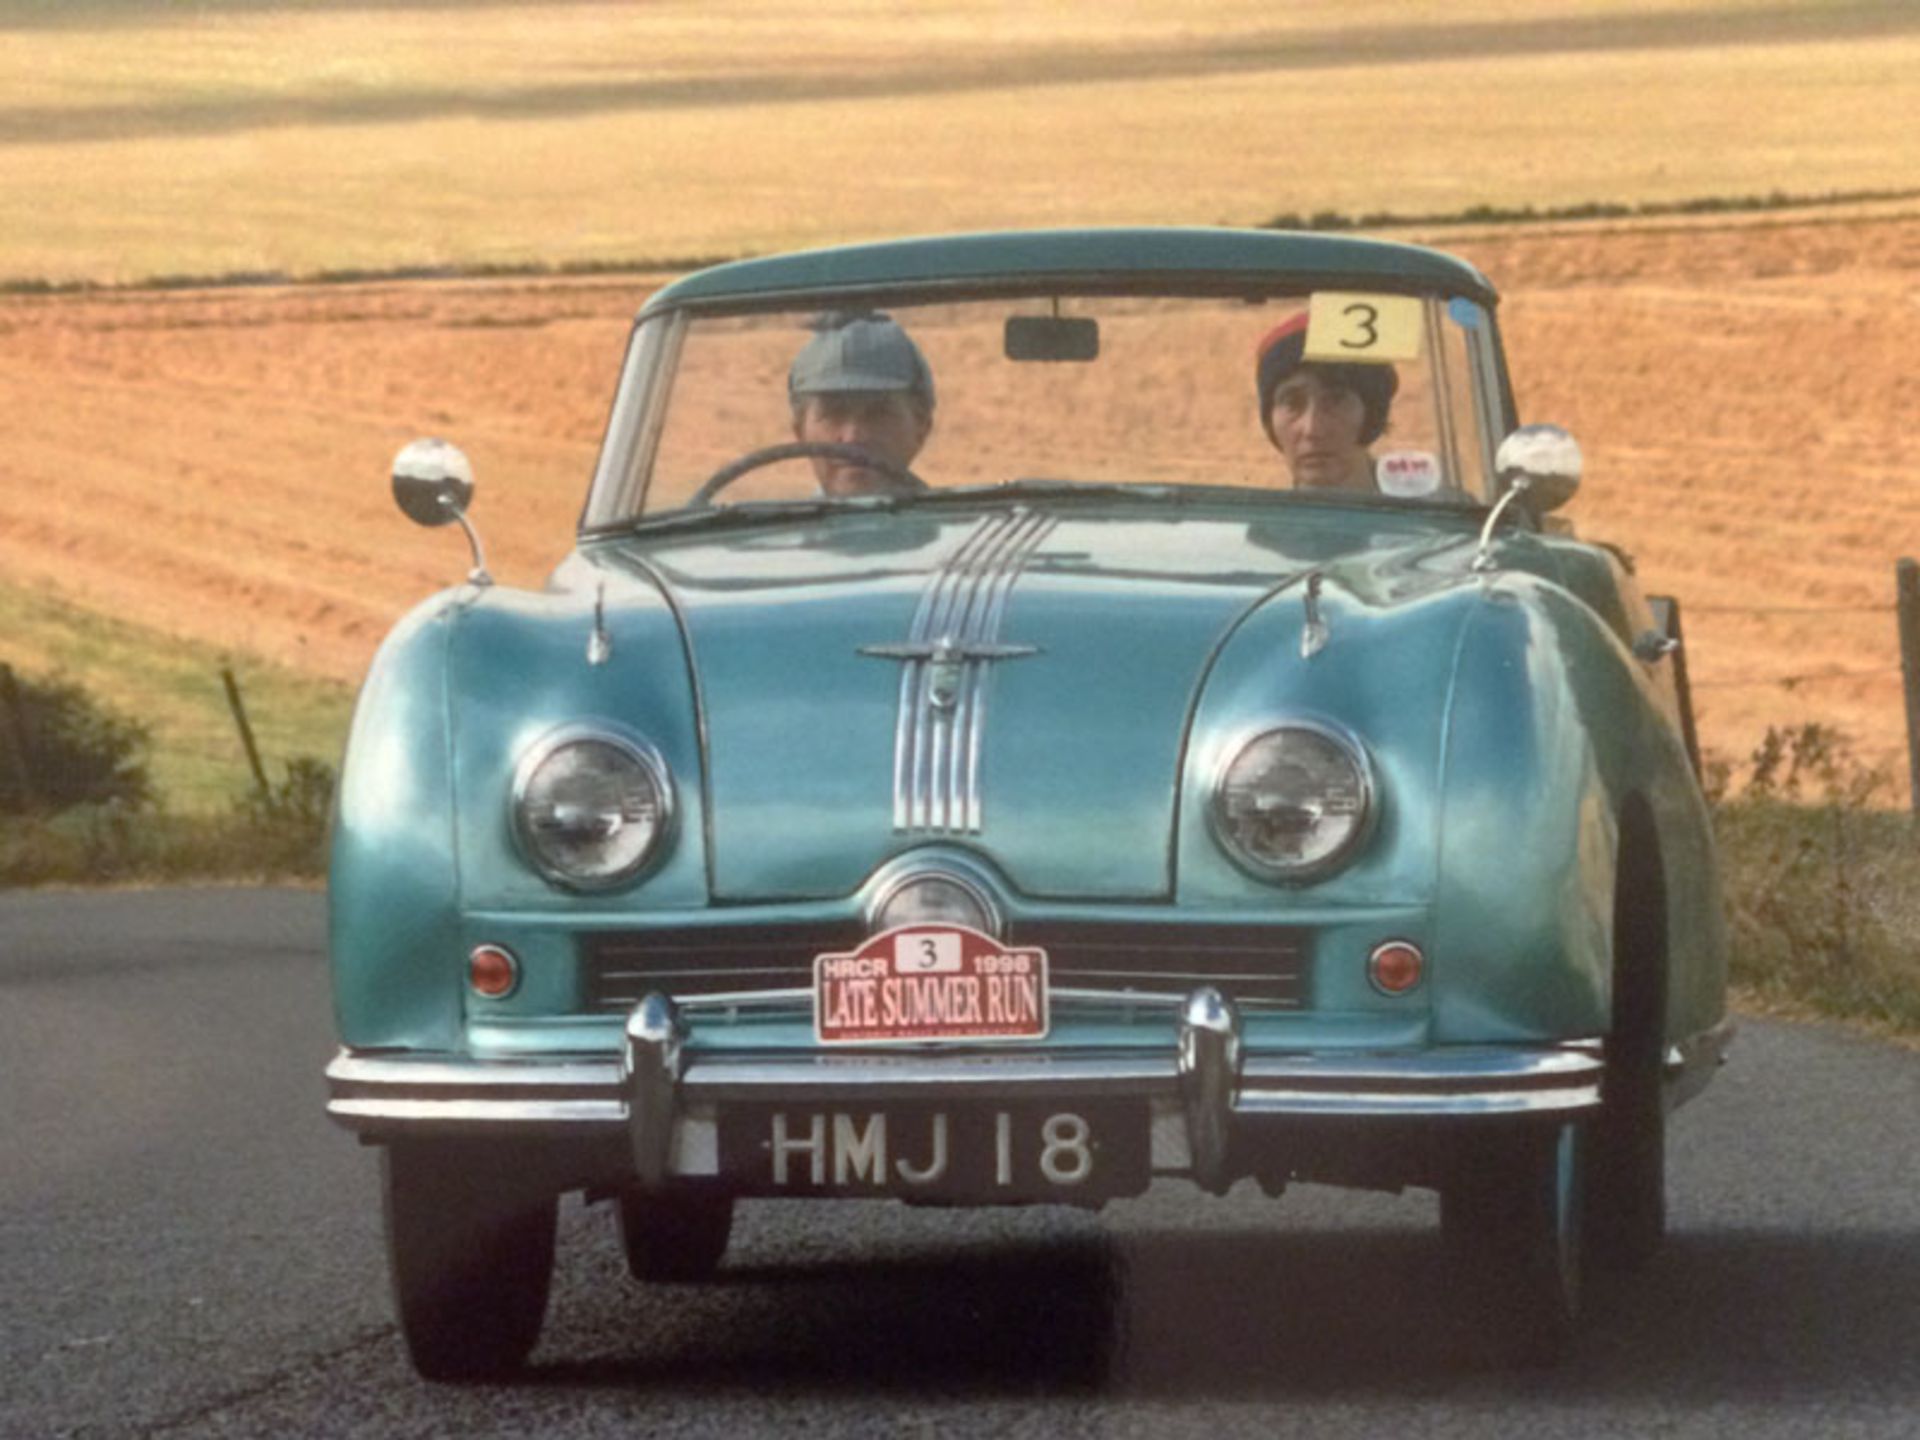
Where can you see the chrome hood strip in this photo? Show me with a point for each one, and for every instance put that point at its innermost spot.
(943, 681)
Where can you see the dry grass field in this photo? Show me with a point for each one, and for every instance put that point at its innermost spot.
(211, 462)
(143, 139)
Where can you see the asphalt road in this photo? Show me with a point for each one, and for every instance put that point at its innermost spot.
(188, 1248)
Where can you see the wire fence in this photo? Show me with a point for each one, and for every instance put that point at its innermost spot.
(1794, 679)
(1905, 663)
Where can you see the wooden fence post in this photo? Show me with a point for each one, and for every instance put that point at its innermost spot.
(1907, 586)
(246, 731)
(13, 736)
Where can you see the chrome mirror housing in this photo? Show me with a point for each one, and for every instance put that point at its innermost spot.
(433, 486)
(432, 482)
(1547, 459)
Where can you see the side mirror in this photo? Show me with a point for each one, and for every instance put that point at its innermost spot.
(1547, 459)
(433, 486)
(432, 482)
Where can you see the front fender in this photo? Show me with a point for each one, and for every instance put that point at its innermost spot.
(1523, 913)
(1555, 728)
(392, 891)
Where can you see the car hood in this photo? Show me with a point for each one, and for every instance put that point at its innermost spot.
(1014, 681)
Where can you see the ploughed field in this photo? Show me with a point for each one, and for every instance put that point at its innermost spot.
(213, 463)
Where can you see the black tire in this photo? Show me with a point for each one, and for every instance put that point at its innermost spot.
(1515, 1226)
(471, 1263)
(1627, 1210)
(1627, 1201)
(677, 1234)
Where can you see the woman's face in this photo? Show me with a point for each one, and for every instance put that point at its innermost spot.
(1317, 423)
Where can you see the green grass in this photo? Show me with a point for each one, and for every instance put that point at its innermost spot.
(174, 688)
(1824, 901)
(109, 845)
(1822, 882)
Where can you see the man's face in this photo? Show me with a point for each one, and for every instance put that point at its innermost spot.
(887, 423)
(1317, 424)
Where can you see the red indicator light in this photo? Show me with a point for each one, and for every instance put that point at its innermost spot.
(1396, 967)
(492, 971)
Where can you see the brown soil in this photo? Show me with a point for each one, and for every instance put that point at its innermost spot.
(214, 463)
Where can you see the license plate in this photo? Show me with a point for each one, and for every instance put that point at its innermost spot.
(984, 1153)
(930, 982)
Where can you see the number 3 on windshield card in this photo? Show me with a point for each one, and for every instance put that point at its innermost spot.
(930, 982)
(1359, 329)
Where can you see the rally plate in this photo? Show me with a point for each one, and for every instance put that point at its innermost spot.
(981, 1152)
(919, 983)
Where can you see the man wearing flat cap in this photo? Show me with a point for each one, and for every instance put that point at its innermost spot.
(861, 381)
(1321, 416)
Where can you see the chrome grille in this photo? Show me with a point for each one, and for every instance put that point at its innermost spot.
(1250, 964)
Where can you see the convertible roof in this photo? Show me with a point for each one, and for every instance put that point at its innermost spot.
(1008, 257)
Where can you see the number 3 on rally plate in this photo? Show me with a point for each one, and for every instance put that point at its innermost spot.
(1342, 326)
(924, 954)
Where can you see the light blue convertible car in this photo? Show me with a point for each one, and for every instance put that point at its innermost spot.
(1029, 716)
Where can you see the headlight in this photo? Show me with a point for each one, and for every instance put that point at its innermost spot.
(590, 808)
(1293, 803)
(934, 897)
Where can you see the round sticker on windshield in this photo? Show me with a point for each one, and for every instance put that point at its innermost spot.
(1407, 474)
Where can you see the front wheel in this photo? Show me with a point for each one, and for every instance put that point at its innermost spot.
(1627, 1213)
(1627, 1219)
(471, 1261)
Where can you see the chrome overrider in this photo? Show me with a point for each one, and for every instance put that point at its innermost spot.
(663, 1096)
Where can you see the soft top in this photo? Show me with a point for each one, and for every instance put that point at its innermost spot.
(1007, 257)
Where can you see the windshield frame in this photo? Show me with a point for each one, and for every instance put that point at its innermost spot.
(616, 499)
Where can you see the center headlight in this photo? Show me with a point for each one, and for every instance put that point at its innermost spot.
(1293, 803)
(934, 897)
(590, 808)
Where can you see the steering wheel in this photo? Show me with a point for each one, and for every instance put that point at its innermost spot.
(899, 475)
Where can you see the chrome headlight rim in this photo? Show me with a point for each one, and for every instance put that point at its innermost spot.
(1306, 872)
(957, 875)
(629, 744)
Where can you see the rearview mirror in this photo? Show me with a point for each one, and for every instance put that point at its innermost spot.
(1052, 338)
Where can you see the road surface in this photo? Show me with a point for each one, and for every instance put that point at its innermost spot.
(188, 1248)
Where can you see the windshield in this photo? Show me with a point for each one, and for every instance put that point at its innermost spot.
(1373, 397)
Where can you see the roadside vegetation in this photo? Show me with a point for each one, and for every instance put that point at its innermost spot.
(121, 760)
(1327, 221)
(1822, 881)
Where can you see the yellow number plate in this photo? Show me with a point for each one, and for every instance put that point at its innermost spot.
(1377, 328)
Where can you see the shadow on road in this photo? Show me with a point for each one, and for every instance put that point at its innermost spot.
(1262, 1315)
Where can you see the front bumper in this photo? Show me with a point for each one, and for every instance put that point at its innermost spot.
(661, 1097)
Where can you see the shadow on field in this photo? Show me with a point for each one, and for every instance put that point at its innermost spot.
(1260, 1316)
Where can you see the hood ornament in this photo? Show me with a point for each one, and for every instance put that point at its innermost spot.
(1313, 634)
(946, 660)
(599, 643)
